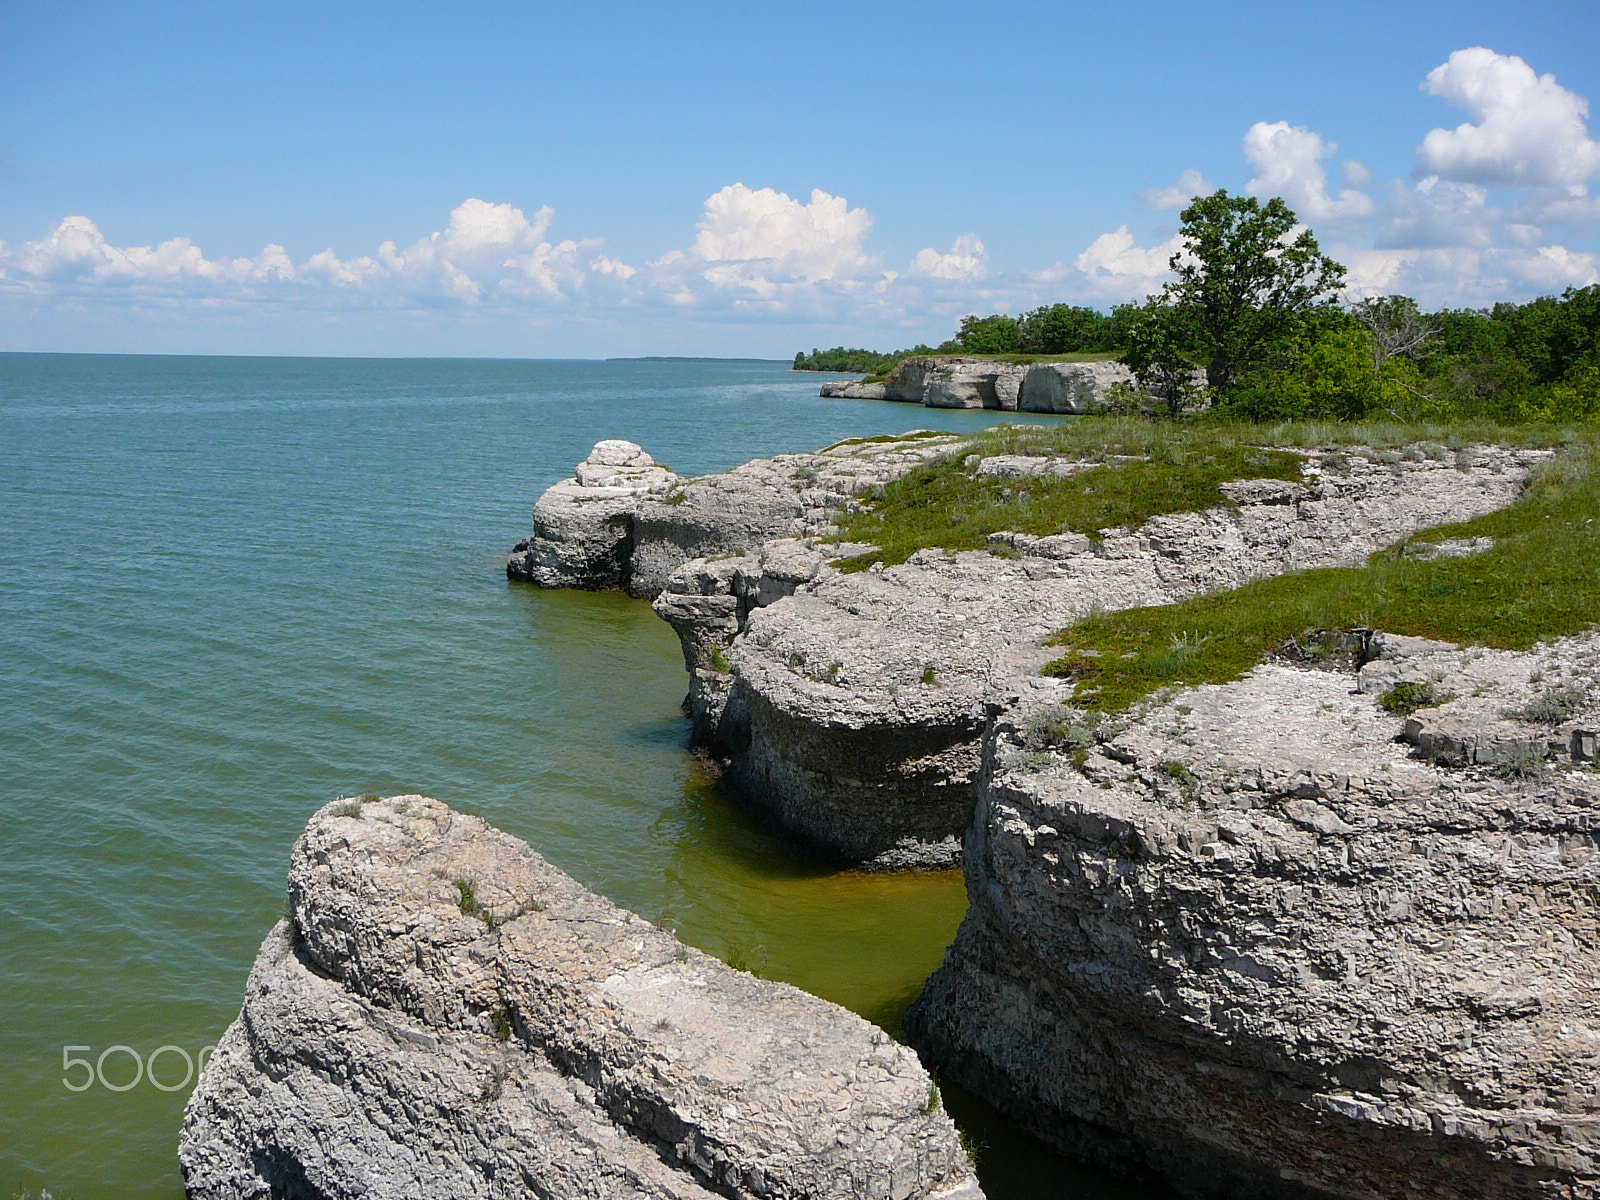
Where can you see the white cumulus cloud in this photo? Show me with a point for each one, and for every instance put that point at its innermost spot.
(1287, 160)
(1169, 199)
(76, 253)
(822, 239)
(1114, 266)
(967, 259)
(1526, 129)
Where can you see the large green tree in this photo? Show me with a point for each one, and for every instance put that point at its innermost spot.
(1247, 276)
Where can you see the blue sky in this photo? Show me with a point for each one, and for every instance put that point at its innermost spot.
(751, 178)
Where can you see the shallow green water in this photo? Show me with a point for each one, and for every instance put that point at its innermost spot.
(233, 588)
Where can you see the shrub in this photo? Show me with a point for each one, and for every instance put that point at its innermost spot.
(1407, 697)
(1551, 706)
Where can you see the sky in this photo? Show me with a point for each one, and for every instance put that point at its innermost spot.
(589, 180)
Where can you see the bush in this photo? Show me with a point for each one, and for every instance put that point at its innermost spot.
(1407, 697)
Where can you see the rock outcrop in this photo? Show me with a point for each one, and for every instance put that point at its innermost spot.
(855, 389)
(974, 383)
(583, 526)
(1256, 940)
(1071, 387)
(956, 381)
(641, 523)
(445, 1015)
(854, 710)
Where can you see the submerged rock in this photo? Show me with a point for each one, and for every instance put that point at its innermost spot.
(447, 1015)
(1254, 941)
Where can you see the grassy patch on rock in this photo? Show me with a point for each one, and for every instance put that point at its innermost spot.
(1539, 580)
(944, 503)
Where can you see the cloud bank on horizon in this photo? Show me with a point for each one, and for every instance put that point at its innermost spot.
(1485, 216)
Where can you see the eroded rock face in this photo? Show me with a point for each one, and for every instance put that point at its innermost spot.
(855, 389)
(1256, 941)
(583, 527)
(955, 381)
(856, 707)
(974, 383)
(448, 1015)
(1070, 387)
(852, 706)
(629, 523)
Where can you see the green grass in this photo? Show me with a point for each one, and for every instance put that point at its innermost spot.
(500, 1017)
(943, 504)
(1540, 580)
(884, 438)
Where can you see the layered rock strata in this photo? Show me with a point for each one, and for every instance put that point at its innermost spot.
(1264, 938)
(583, 527)
(854, 709)
(964, 382)
(445, 1014)
(852, 706)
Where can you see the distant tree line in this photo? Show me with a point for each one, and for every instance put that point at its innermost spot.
(865, 362)
(1251, 326)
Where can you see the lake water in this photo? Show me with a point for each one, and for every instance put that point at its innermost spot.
(233, 588)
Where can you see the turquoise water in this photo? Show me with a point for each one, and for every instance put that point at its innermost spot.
(233, 588)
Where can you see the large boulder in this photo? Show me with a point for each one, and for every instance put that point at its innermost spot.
(1254, 941)
(445, 1014)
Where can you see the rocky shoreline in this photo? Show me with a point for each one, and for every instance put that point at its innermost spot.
(1279, 937)
(854, 711)
(1257, 941)
(1266, 938)
(954, 381)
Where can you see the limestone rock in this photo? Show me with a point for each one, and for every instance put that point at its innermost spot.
(1070, 387)
(973, 383)
(583, 527)
(602, 535)
(965, 381)
(1260, 945)
(858, 704)
(908, 382)
(856, 389)
(448, 1015)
